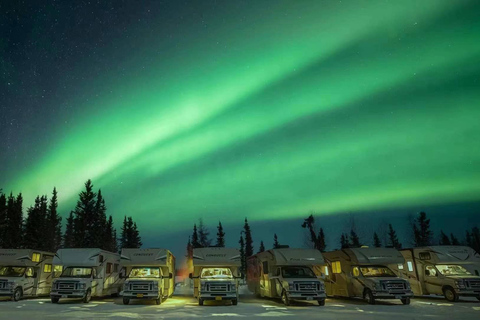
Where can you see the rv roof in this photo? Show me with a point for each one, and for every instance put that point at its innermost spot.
(292, 256)
(21, 257)
(376, 255)
(216, 257)
(145, 257)
(449, 254)
(87, 257)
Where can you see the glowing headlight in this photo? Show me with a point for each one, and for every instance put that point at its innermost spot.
(460, 284)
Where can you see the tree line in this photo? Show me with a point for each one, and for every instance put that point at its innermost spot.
(87, 226)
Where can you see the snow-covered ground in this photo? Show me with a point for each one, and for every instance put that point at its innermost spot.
(183, 306)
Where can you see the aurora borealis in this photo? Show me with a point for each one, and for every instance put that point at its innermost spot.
(266, 109)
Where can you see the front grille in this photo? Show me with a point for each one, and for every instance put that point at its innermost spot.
(3, 285)
(66, 285)
(140, 286)
(218, 287)
(473, 284)
(307, 286)
(395, 285)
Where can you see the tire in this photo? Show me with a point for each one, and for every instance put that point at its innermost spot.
(285, 299)
(234, 302)
(17, 294)
(55, 299)
(368, 296)
(88, 296)
(200, 301)
(450, 294)
(126, 301)
(321, 302)
(406, 301)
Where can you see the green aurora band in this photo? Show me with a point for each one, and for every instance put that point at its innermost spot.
(305, 106)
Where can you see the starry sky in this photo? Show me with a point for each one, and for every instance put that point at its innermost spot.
(224, 109)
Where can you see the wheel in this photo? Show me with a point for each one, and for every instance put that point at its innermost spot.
(450, 294)
(285, 299)
(234, 302)
(88, 296)
(368, 296)
(126, 301)
(200, 301)
(55, 299)
(17, 294)
(321, 302)
(406, 301)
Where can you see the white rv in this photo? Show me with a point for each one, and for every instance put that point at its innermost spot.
(25, 273)
(150, 274)
(216, 274)
(86, 273)
(287, 274)
(442, 270)
(364, 272)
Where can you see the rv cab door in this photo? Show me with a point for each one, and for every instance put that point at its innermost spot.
(30, 283)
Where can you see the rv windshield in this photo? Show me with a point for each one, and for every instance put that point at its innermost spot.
(376, 271)
(77, 272)
(12, 271)
(216, 273)
(144, 272)
(452, 270)
(297, 272)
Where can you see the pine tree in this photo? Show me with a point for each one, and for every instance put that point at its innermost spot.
(344, 241)
(84, 221)
(195, 242)
(275, 241)
(220, 236)
(248, 240)
(14, 218)
(69, 236)
(468, 239)
(123, 234)
(189, 249)
(54, 225)
(309, 224)
(322, 246)
(109, 237)
(242, 255)
(115, 241)
(444, 240)
(203, 234)
(354, 239)
(421, 230)
(453, 240)
(262, 247)
(392, 235)
(137, 240)
(130, 237)
(476, 239)
(376, 241)
(34, 225)
(3, 218)
(101, 239)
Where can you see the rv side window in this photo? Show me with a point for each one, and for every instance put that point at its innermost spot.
(336, 267)
(57, 271)
(115, 267)
(36, 257)
(356, 272)
(410, 266)
(47, 268)
(265, 267)
(424, 255)
(430, 271)
(326, 270)
(400, 267)
(109, 268)
(29, 272)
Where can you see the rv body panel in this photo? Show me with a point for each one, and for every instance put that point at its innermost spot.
(86, 272)
(139, 284)
(278, 272)
(30, 271)
(216, 274)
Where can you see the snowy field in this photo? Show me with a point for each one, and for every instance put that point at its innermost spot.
(183, 306)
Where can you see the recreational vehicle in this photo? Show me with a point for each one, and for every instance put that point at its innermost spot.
(150, 274)
(25, 273)
(216, 274)
(86, 273)
(364, 272)
(287, 274)
(442, 270)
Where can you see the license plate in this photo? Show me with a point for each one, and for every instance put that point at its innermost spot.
(64, 296)
(398, 297)
(309, 298)
(140, 295)
(218, 298)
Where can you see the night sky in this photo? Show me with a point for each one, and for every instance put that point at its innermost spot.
(224, 109)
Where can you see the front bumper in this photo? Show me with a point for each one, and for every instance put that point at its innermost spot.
(392, 295)
(68, 294)
(6, 293)
(205, 295)
(140, 295)
(298, 295)
(468, 292)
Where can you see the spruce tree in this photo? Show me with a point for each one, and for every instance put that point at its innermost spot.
(203, 234)
(3, 218)
(195, 242)
(189, 249)
(109, 242)
(34, 225)
(137, 240)
(444, 240)
(248, 240)
(344, 241)
(101, 239)
(392, 236)
(421, 230)
(243, 260)
(123, 234)
(275, 241)
(309, 224)
(262, 247)
(14, 226)
(376, 241)
(69, 236)
(354, 239)
(220, 236)
(322, 246)
(453, 240)
(115, 241)
(54, 225)
(130, 235)
(476, 239)
(468, 239)
(84, 221)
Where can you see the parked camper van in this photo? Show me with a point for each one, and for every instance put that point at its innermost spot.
(442, 270)
(287, 274)
(364, 272)
(25, 273)
(86, 273)
(216, 274)
(150, 274)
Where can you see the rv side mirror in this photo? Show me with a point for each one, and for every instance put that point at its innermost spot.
(35, 274)
(190, 276)
(170, 276)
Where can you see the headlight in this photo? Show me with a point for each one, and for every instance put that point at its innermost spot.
(233, 287)
(155, 286)
(202, 286)
(10, 285)
(125, 286)
(378, 286)
(407, 285)
(291, 286)
(460, 284)
(82, 286)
